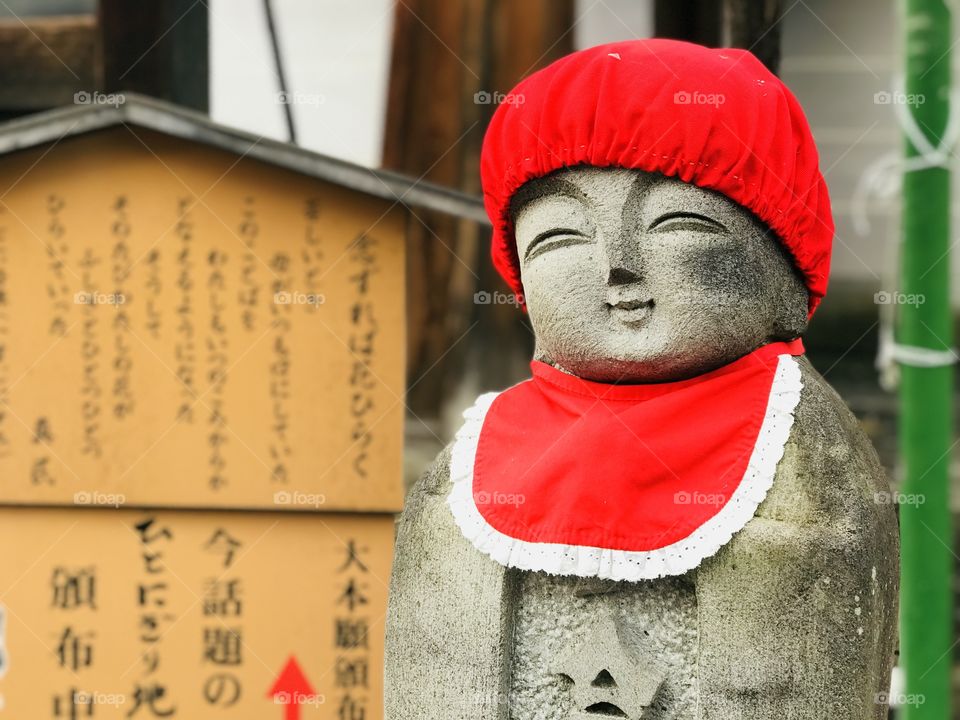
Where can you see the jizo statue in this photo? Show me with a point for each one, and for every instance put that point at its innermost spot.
(675, 517)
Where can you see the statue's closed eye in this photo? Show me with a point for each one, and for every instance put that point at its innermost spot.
(692, 222)
(554, 238)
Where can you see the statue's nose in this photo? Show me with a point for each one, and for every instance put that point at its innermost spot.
(622, 276)
(623, 262)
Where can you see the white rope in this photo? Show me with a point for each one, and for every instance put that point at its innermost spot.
(883, 179)
(929, 155)
(917, 356)
(890, 353)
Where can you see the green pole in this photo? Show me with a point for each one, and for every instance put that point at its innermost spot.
(926, 392)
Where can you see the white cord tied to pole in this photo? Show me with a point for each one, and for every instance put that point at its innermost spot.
(890, 352)
(929, 156)
(883, 178)
(916, 356)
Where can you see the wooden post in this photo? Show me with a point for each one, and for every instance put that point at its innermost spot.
(754, 25)
(750, 24)
(156, 47)
(45, 61)
(696, 21)
(444, 53)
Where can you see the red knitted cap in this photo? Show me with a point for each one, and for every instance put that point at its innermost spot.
(716, 118)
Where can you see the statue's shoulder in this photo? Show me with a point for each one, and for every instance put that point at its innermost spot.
(830, 472)
(426, 501)
(457, 456)
(435, 480)
(824, 423)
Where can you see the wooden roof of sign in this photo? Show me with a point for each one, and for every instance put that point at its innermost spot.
(152, 114)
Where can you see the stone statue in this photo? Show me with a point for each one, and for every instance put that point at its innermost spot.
(577, 552)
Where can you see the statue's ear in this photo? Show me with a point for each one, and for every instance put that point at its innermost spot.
(790, 318)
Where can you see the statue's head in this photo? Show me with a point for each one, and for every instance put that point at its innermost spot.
(659, 207)
(633, 276)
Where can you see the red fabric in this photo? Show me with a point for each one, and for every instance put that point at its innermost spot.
(623, 467)
(742, 133)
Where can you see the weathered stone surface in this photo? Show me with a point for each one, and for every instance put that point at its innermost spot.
(570, 631)
(794, 618)
(797, 614)
(450, 615)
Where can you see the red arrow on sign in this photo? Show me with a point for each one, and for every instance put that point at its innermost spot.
(291, 688)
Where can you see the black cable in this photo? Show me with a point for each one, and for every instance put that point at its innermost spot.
(285, 98)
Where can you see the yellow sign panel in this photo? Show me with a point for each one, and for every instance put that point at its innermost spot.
(180, 614)
(180, 326)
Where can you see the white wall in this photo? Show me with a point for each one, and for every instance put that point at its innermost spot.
(603, 21)
(836, 57)
(336, 56)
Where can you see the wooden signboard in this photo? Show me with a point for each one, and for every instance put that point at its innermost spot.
(181, 326)
(139, 614)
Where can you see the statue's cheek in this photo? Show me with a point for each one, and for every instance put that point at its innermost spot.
(562, 276)
(713, 272)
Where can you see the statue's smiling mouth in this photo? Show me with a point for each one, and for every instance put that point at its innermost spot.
(630, 310)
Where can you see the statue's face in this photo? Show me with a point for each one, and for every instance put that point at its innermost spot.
(635, 277)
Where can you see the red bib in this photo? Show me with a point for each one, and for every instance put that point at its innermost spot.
(627, 482)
